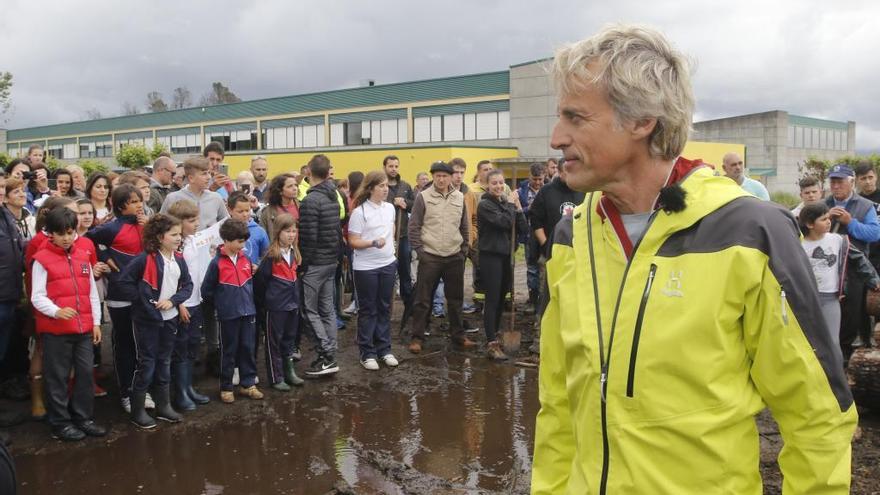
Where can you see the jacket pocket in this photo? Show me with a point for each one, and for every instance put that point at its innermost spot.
(637, 332)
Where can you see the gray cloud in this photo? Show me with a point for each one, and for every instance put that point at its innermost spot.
(750, 56)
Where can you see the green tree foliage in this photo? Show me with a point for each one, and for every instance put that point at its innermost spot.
(5, 92)
(52, 163)
(4, 159)
(133, 156)
(219, 95)
(90, 166)
(158, 149)
(819, 168)
(785, 199)
(155, 102)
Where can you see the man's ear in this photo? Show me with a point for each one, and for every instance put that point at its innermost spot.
(642, 128)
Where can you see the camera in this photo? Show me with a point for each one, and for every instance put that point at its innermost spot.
(28, 175)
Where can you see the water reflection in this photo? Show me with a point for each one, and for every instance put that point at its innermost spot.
(461, 419)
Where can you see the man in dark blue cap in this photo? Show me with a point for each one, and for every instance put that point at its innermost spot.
(854, 216)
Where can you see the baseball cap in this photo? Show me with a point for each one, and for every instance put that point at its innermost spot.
(841, 172)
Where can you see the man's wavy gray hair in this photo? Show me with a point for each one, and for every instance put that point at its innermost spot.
(642, 75)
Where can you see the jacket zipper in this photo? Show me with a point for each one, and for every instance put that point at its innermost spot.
(604, 362)
(638, 331)
(784, 309)
(75, 292)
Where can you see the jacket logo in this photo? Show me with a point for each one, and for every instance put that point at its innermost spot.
(673, 285)
(84, 268)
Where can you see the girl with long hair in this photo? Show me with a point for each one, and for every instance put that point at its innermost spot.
(281, 198)
(276, 289)
(371, 237)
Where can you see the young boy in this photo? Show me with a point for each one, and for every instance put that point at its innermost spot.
(68, 312)
(228, 284)
(198, 248)
(811, 192)
(258, 243)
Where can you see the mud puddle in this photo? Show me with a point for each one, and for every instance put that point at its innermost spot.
(438, 424)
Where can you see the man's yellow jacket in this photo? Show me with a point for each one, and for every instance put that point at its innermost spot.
(654, 366)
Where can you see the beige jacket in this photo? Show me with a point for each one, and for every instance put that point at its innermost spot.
(439, 223)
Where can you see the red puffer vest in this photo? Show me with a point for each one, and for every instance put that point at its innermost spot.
(68, 279)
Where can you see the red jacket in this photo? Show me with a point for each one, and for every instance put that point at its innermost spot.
(83, 244)
(68, 284)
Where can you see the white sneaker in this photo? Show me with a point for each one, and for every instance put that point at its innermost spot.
(235, 379)
(390, 360)
(126, 404)
(370, 364)
(352, 309)
(148, 402)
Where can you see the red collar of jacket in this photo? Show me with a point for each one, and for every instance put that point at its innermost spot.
(608, 211)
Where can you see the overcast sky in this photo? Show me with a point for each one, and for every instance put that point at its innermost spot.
(808, 57)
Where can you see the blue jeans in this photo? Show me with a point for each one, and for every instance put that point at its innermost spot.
(155, 342)
(7, 322)
(533, 278)
(374, 310)
(439, 299)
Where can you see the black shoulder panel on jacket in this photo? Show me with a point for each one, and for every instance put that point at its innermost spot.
(564, 231)
(750, 222)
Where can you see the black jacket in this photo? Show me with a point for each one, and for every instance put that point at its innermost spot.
(320, 229)
(405, 191)
(551, 202)
(11, 259)
(495, 219)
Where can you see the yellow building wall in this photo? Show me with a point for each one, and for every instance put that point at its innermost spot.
(415, 160)
(711, 153)
(412, 160)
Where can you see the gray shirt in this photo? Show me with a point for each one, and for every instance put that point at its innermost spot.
(212, 208)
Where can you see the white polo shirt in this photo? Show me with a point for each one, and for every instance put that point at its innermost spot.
(373, 221)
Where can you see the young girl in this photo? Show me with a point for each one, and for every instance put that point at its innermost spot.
(119, 241)
(829, 254)
(276, 288)
(371, 237)
(496, 217)
(64, 183)
(280, 198)
(156, 282)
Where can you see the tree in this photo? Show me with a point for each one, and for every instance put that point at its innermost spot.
(158, 149)
(181, 98)
(219, 95)
(815, 167)
(155, 103)
(130, 109)
(5, 91)
(93, 114)
(133, 156)
(90, 166)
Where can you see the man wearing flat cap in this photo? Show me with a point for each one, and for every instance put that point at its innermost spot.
(438, 232)
(853, 216)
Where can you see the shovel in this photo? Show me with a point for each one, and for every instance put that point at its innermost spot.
(511, 339)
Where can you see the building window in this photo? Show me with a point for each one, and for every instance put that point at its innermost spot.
(233, 140)
(354, 134)
(96, 149)
(12, 150)
(815, 140)
(462, 127)
(293, 137)
(798, 137)
(790, 142)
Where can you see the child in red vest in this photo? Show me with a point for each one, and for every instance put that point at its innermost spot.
(277, 294)
(67, 315)
(156, 282)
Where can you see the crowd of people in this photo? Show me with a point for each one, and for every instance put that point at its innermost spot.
(179, 262)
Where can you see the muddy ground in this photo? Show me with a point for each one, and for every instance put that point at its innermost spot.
(445, 421)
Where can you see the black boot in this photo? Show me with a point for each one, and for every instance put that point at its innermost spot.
(193, 394)
(139, 415)
(212, 363)
(290, 373)
(164, 411)
(182, 402)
